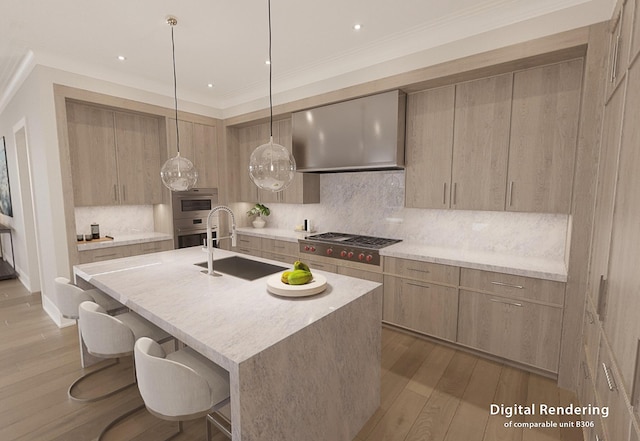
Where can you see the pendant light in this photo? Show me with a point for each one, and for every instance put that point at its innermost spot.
(271, 166)
(178, 173)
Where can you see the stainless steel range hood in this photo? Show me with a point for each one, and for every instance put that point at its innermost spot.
(362, 134)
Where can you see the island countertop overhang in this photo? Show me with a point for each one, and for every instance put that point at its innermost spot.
(225, 318)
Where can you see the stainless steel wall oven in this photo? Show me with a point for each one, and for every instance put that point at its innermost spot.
(190, 211)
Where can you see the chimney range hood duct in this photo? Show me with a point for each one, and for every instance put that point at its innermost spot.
(357, 135)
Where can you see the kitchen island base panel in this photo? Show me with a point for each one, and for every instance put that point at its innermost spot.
(322, 383)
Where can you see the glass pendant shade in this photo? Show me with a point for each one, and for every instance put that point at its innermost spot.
(179, 174)
(272, 167)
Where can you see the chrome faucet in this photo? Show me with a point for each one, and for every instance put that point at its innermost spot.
(210, 236)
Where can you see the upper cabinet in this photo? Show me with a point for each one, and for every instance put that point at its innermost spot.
(305, 187)
(481, 143)
(115, 156)
(544, 130)
(139, 159)
(429, 140)
(620, 43)
(505, 142)
(198, 143)
(635, 41)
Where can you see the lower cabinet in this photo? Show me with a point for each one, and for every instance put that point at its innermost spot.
(421, 306)
(511, 328)
(116, 252)
(250, 245)
(280, 250)
(610, 392)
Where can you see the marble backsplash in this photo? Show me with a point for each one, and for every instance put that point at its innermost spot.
(371, 203)
(114, 220)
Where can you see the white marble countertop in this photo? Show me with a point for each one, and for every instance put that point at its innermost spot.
(225, 318)
(274, 233)
(124, 239)
(536, 267)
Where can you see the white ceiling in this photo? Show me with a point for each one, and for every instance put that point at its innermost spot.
(225, 42)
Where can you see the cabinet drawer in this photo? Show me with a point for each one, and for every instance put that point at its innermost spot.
(314, 264)
(609, 389)
(280, 246)
(155, 247)
(511, 328)
(509, 285)
(423, 307)
(419, 270)
(360, 274)
(108, 253)
(245, 241)
(249, 251)
(279, 257)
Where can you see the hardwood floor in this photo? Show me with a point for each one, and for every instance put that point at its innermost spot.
(429, 392)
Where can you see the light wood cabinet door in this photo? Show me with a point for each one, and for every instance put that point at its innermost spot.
(185, 129)
(635, 31)
(205, 148)
(429, 148)
(526, 332)
(198, 143)
(609, 390)
(544, 130)
(139, 159)
(620, 43)
(93, 155)
(605, 193)
(481, 143)
(420, 306)
(247, 137)
(305, 188)
(621, 323)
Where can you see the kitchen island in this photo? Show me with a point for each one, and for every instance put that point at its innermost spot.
(300, 368)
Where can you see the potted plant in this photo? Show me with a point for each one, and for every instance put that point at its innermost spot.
(258, 211)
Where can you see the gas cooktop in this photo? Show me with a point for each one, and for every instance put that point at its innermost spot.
(345, 246)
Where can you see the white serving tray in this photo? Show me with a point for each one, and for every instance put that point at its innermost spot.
(316, 286)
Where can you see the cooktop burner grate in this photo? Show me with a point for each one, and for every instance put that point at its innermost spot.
(354, 240)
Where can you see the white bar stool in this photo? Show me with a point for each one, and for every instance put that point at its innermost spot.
(182, 385)
(111, 337)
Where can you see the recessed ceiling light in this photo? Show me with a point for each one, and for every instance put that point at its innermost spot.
(210, 85)
(267, 62)
(357, 27)
(121, 57)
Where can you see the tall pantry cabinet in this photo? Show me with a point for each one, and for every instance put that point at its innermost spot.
(611, 353)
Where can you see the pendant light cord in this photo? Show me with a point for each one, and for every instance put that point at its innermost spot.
(270, 68)
(175, 89)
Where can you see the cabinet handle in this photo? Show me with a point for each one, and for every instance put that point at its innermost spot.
(602, 302)
(124, 194)
(519, 305)
(115, 192)
(419, 270)
(418, 285)
(614, 67)
(105, 255)
(610, 381)
(585, 370)
(455, 193)
(509, 285)
(444, 194)
(510, 196)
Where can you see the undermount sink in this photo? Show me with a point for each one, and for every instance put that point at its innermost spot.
(243, 268)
